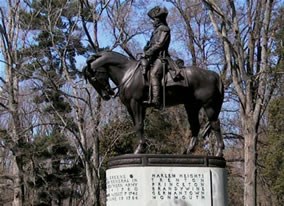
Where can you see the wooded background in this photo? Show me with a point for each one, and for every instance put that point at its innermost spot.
(56, 134)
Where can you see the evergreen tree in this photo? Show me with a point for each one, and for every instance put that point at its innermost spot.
(56, 172)
(274, 153)
(49, 62)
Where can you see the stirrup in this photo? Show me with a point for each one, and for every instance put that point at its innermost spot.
(156, 105)
(147, 102)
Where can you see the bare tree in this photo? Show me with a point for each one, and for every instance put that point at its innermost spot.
(91, 14)
(10, 32)
(244, 29)
(124, 29)
(17, 129)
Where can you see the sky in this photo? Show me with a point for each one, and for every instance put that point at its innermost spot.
(2, 69)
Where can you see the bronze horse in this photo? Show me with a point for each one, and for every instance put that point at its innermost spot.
(204, 89)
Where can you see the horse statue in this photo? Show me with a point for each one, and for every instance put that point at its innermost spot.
(203, 89)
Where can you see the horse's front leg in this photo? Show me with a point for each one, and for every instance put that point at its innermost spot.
(138, 116)
(192, 144)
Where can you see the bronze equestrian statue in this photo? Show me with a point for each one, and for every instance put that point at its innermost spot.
(199, 88)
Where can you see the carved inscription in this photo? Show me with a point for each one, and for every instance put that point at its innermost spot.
(153, 185)
(122, 187)
(170, 186)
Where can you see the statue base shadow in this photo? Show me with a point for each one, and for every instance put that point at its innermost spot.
(166, 180)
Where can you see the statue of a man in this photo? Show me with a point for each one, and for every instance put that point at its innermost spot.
(155, 50)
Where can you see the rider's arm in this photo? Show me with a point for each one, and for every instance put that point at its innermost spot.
(164, 34)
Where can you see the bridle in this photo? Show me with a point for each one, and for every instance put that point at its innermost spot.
(96, 81)
(100, 71)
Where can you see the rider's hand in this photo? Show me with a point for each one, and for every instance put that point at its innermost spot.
(145, 56)
(149, 53)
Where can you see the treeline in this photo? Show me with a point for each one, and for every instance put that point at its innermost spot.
(56, 134)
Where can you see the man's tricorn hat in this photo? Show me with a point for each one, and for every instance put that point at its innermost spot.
(158, 12)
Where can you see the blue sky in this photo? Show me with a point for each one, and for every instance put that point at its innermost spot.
(2, 69)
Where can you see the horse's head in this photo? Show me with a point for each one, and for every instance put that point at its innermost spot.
(98, 78)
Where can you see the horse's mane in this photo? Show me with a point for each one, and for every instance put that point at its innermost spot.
(106, 52)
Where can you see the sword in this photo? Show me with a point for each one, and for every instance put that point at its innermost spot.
(164, 79)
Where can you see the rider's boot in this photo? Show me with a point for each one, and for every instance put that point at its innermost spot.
(145, 64)
(155, 101)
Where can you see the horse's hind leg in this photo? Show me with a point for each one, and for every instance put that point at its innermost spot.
(216, 128)
(192, 116)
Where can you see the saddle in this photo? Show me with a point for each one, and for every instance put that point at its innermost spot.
(174, 75)
(174, 78)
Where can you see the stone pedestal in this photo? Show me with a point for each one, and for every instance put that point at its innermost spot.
(166, 180)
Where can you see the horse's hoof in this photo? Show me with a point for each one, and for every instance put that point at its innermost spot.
(141, 149)
(219, 153)
(189, 151)
(156, 105)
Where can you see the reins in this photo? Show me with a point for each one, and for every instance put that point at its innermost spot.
(118, 87)
(125, 81)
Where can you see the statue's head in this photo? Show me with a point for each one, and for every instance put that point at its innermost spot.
(158, 14)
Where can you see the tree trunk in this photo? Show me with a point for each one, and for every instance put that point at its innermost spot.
(250, 158)
(17, 187)
(9, 48)
(17, 201)
(90, 185)
(92, 166)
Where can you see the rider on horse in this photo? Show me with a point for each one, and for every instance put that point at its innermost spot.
(156, 50)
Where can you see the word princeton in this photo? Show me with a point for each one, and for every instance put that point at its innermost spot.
(187, 187)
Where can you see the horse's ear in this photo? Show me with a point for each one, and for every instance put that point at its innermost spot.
(93, 58)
